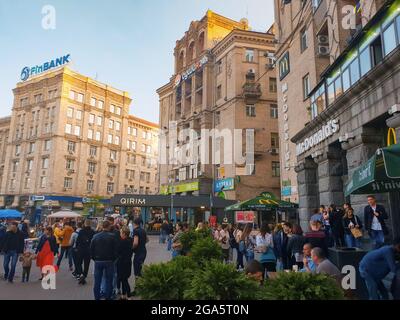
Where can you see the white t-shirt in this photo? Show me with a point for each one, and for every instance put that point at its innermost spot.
(265, 241)
(376, 225)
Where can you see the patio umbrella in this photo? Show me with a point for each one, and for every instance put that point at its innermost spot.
(380, 174)
(64, 214)
(10, 214)
(265, 201)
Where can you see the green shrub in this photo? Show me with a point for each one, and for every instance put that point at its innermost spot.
(302, 286)
(219, 281)
(204, 250)
(188, 239)
(166, 281)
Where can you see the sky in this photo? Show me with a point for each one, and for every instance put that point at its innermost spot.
(127, 44)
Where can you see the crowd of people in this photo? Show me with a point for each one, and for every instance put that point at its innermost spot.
(111, 246)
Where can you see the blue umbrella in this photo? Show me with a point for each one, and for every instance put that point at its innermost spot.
(10, 214)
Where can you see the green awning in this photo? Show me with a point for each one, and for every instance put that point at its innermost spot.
(265, 201)
(379, 174)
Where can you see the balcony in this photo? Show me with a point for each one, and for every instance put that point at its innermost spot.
(251, 89)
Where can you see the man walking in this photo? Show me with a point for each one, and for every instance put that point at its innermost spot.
(13, 245)
(65, 245)
(82, 245)
(374, 220)
(377, 265)
(103, 249)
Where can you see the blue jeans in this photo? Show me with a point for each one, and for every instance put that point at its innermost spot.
(106, 269)
(352, 242)
(376, 288)
(10, 256)
(175, 253)
(68, 254)
(169, 244)
(239, 259)
(378, 237)
(249, 256)
(163, 237)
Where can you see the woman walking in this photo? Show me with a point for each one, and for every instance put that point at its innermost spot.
(46, 250)
(124, 262)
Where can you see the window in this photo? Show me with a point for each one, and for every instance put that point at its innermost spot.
(144, 134)
(43, 182)
(338, 87)
(249, 55)
(100, 104)
(272, 85)
(47, 145)
(91, 118)
(29, 165)
(90, 134)
(99, 120)
(365, 61)
(70, 164)
(12, 184)
(274, 111)
(93, 102)
(92, 151)
(90, 185)
(80, 97)
(148, 136)
(77, 131)
(53, 111)
(250, 111)
(98, 136)
(111, 171)
(217, 118)
(117, 140)
(118, 111)
(134, 132)
(219, 67)
(148, 149)
(284, 66)
(112, 108)
(67, 183)
(71, 146)
(17, 149)
(32, 147)
(38, 98)
(110, 124)
(15, 166)
(52, 93)
(27, 182)
(68, 128)
(346, 79)
(303, 40)
(45, 163)
(110, 187)
(110, 138)
(91, 167)
(78, 115)
(219, 92)
(128, 144)
(306, 86)
(133, 145)
(276, 169)
(389, 39)
(113, 155)
(274, 140)
(70, 112)
(117, 125)
(143, 148)
(354, 71)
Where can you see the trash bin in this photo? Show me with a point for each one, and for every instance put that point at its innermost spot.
(350, 256)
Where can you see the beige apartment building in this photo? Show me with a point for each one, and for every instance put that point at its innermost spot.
(310, 36)
(224, 80)
(71, 137)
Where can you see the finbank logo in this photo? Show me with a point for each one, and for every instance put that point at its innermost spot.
(29, 72)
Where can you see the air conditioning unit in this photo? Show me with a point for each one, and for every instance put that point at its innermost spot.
(65, 189)
(323, 39)
(252, 71)
(274, 151)
(269, 66)
(323, 50)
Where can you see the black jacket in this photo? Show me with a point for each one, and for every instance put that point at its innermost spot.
(369, 215)
(355, 220)
(104, 246)
(295, 245)
(52, 243)
(124, 262)
(84, 239)
(335, 220)
(13, 241)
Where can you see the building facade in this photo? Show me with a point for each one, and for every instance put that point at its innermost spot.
(310, 36)
(349, 118)
(71, 136)
(224, 80)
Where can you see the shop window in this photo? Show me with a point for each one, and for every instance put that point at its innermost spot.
(365, 61)
(389, 39)
(346, 79)
(354, 71)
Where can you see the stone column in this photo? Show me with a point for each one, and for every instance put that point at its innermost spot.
(308, 191)
(330, 172)
(358, 150)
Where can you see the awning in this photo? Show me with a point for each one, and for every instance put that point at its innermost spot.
(78, 205)
(265, 201)
(379, 174)
(10, 214)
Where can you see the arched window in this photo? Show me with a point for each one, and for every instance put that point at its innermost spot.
(201, 42)
(181, 60)
(190, 55)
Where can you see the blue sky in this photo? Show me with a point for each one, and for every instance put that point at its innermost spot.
(127, 43)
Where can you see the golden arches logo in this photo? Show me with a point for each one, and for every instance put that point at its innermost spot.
(267, 201)
(391, 136)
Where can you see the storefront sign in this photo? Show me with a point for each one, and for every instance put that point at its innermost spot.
(133, 201)
(90, 200)
(27, 72)
(224, 184)
(36, 198)
(286, 191)
(184, 187)
(324, 133)
(245, 216)
(189, 72)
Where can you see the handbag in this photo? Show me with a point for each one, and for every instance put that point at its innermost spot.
(268, 256)
(357, 233)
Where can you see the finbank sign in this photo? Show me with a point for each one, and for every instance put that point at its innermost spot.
(322, 134)
(28, 72)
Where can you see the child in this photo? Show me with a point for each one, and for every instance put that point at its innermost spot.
(26, 260)
(254, 270)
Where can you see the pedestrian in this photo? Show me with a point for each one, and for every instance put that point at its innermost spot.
(247, 243)
(374, 221)
(223, 240)
(353, 229)
(265, 250)
(326, 226)
(238, 235)
(13, 246)
(295, 247)
(124, 262)
(308, 263)
(139, 247)
(164, 232)
(65, 245)
(316, 237)
(377, 265)
(74, 251)
(25, 229)
(26, 260)
(45, 251)
(280, 247)
(335, 221)
(103, 249)
(85, 236)
(58, 234)
(324, 265)
(176, 244)
(317, 215)
(232, 241)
